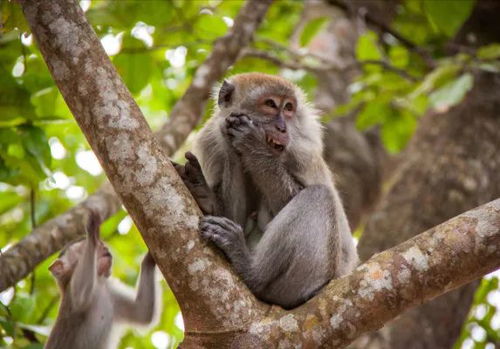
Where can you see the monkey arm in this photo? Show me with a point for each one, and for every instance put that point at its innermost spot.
(140, 310)
(275, 182)
(264, 164)
(192, 176)
(299, 252)
(83, 284)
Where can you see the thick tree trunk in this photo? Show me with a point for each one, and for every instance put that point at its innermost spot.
(19, 260)
(452, 164)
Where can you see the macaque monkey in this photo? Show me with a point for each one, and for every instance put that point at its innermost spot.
(270, 199)
(91, 304)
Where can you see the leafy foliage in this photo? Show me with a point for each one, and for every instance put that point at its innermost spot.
(400, 83)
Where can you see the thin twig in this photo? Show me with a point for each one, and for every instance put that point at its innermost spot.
(330, 66)
(33, 226)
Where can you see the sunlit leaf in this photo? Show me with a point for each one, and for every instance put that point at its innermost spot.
(438, 77)
(399, 56)
(367, 48)
(135, 67)
(489, 52)
(211, 26)
(452, 93)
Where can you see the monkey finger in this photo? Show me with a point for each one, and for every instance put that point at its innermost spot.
(222, 222)
(193, 160)
(212, 235)
(178, 167)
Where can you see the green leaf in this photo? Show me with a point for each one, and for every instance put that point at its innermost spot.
(135, 68)
(311, 29)
(489, 52)
(22, 306)
(7, 173)
(438, 77)
(211, 26)
(24, 155)
(399, 56)
(9, 201)
(14, 100)
(366, 48)
(451, 93)
(35, 142)
(448, 16)
(372, 113)
(8, 326)
(397, 130)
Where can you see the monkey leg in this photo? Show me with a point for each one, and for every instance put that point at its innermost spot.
(297, 254)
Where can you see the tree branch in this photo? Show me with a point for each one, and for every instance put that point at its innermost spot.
(19, 260)
(443, 258)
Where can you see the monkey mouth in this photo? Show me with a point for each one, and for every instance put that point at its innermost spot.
(275, 143)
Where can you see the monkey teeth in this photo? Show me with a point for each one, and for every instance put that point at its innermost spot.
(274, 144)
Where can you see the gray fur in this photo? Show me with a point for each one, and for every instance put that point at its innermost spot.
(92, 304)
(281, 222)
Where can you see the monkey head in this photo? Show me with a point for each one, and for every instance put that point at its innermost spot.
(64, 266)
(272, 103)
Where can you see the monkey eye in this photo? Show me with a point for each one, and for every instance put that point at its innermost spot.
(270, 103)
(289, 106)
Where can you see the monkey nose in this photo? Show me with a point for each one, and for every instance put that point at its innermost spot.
(281, 126)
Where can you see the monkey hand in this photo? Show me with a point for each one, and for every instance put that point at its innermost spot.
(93, 224)
(148, 261)
(245, 134)
(223, 232)
(193, 178)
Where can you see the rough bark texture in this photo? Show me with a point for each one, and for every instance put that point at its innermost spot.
(141, 174)
(452, 164)
(19, 260)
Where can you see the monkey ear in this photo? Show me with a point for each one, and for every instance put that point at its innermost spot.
(57, 268)
(225, 94)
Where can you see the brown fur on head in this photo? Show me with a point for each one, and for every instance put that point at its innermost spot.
(275, 103)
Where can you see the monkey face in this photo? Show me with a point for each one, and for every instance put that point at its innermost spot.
(270, 102)
(63, 267)
(277, 111)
